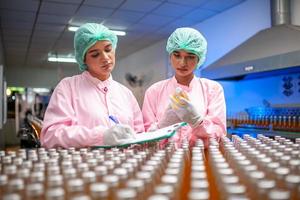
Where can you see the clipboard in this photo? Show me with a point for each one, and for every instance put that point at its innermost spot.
(152, 136)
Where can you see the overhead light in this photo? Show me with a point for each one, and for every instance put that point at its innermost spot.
(8, 92)
(120, 33)
(73, 28)
(61, 59)
(41, 90)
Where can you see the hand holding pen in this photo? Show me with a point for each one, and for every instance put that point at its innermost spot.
(114, 119)
(118, 134)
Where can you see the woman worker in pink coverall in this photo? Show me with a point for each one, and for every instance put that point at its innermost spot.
(91, 108)
(204, 110)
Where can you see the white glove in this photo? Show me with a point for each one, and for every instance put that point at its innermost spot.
(153, 127)
(185, 110)
(168, 118)
(118, 134)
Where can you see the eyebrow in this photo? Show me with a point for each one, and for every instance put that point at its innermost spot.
(93, 50)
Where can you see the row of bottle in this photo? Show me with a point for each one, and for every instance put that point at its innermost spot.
(241, 168)
(252, 168)
(273, 122)
(128, 173)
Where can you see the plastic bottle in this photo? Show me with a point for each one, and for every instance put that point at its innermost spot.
(165, 189)
(55, 194)
(3, 184)
(75, 187)
(138, 186)
(292, 182)
(16, 186)
(264, 186)
(279, 194)
(99, 191)
(198, 195)
(126, 194)
(35, 191)
(113, 182)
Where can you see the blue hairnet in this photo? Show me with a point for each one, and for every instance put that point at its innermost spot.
(190, 40)
(86, 36)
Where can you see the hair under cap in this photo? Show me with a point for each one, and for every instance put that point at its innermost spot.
(190, 40)
(86, 36)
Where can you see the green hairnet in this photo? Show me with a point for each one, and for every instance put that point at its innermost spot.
(86, 36)
(190, 40)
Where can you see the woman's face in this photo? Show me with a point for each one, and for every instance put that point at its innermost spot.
(183, 63)
(100, 60)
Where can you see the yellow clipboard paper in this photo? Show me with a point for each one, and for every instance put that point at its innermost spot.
(152, 136)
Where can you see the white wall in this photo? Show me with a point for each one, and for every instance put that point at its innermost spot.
(39, 77)
(150, 63)
(232, 27)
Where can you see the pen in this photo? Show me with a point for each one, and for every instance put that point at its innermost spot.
(114, 119)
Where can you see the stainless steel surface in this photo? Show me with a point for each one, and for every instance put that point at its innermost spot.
(280, 12)
(274, 48)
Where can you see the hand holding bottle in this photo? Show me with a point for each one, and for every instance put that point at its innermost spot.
(184, 108)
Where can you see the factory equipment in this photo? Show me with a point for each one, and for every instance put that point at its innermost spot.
(270, 121)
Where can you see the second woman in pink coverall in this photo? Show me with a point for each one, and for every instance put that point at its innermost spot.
(91, 108)
(204, 110)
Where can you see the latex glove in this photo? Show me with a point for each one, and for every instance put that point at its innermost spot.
(184, 108)
(153, 127)
(176, 98)
(118, 134)
(168, 118)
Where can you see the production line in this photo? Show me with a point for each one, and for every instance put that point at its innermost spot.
(240, 168)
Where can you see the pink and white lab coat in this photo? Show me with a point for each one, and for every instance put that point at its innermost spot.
(79, 109)
(206, 94)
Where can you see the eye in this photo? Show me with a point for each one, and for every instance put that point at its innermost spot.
(108, 49)
(191, 57)
(176, 55)
(95, 55)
